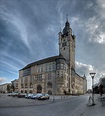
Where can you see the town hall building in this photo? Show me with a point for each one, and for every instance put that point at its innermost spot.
(54, 75)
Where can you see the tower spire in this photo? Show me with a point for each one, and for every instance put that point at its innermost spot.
(67, 26)
(67, 17)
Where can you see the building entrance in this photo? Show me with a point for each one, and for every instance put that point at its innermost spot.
(39, 89)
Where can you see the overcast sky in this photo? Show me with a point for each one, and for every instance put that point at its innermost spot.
(29, 32)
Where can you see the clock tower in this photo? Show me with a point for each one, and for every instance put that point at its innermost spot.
(67, 50)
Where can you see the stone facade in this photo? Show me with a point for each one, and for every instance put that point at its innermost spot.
(54, 75)
(15, 85)
(80, 84)
(3, 88)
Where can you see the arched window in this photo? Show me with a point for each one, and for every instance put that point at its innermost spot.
(30, 91)
(31, 85)
(49, 84)
(26, 85)
(25, 91)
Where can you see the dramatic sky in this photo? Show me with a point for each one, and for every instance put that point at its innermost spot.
(29, 32)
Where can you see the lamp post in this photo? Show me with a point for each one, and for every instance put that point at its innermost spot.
(53, 89)
(92, 75)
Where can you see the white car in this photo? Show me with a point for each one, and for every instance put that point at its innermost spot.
(13, 94)
(34, 96)
(9, 94)
(28, 95)
(44, 97)
(39, 95)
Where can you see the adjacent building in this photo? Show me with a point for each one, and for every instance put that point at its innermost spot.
(56, 74)
(5, 88)
(100, 86)
(9, 87)
(14, 85)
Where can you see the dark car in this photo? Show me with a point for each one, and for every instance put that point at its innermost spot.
(44, 97)
(20, 95)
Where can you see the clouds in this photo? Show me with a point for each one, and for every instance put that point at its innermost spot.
(88, 25)
(85, 69)
(14, 21)
(101, 8)
(2, 79)
(24, 33)
(29, 32)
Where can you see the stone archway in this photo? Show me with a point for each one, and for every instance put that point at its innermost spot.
(39, 89)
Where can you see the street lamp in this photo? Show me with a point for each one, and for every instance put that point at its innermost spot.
(92, 75)
(54, 84)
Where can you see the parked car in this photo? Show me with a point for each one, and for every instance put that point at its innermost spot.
(13, 94)
(39, 95)
(9, 94)
(20, 95)
(28, 95)
(44, 97)
(34, 96)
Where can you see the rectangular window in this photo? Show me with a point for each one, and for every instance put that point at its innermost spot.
(31, 78)
(26, 79)
(64, 44)
(46, 68)
(54, 68)
(41, 69)
(27, 72)
(39, 77)
(49, 76)
(49, 67)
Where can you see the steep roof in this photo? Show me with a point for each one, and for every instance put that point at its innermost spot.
(83, 77)
(46, 60)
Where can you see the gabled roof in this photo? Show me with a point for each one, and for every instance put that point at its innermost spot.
(46, 60)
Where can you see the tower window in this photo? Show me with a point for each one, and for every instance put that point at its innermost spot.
(64, 44)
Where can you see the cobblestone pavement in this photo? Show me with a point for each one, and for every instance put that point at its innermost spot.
(63, 106)
(9, 101)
